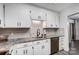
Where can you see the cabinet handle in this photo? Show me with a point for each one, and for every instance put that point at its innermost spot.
(56, 25)
(30, 11)
(16, 51)
(0, 21)
(38, 42)
(4, 24)
(20, 23)
(43, 47)
(32, 47)
(26, 51)
(17, 24)
(51, 25)
(39, 17)
(11, 51)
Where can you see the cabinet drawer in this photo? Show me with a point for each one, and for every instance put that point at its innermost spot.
(46, 41)
(27, 44)
(37, 42)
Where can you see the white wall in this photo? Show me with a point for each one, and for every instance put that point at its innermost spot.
(64, 22)
(77, 30)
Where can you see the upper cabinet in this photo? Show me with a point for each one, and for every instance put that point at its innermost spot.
(38, 14)
(17, 16)
(52, 20)
(1, 16)
(20, 16)
(57, 21)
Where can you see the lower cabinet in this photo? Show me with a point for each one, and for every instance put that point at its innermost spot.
(23, 51)
(41, 47)
(61, 44)
(38, 49)
(46, 49)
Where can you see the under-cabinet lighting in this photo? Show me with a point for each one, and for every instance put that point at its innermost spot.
(36, 22)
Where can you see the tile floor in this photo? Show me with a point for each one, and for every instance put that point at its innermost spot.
(73, 51)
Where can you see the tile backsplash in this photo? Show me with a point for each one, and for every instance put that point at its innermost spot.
(15, 32)
(27, 33)
(55, 32)
(51, 32)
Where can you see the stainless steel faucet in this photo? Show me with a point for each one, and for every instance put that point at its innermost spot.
(38, 33)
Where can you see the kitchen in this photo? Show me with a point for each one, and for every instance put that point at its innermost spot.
(35, 28)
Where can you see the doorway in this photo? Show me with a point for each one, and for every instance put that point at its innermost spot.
(74, 37)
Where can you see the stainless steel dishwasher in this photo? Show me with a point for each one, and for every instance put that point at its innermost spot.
(54, 45)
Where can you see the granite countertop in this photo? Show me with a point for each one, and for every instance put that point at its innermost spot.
(9, 44)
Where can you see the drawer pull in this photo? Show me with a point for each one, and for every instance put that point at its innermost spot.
(26, 51)
(43, 47)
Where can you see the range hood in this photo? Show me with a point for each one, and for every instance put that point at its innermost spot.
(74, 16)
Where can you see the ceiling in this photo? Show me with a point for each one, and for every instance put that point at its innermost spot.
(54, 6)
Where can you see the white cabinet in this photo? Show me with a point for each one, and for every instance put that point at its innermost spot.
(22, 49)
(52, 20)
(61, 43)
(37, 47)
(19, 51)
(1, 16)
(46, 49)
(17, 15)
(42, 47)
(38, 14)
(57, 24)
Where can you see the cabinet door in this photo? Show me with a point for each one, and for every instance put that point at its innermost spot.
(20, 51)
(11, 15)
(35, 14)
(43, 14)
(17, 15)
(50, 20)
(37, 47)
(17, 51)
(25, 21)
(28, 50)
(46, 50)
(61, 45)
(57, 20)
(24, 16)
(38, 14)
(23, 51)
(1, 16)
